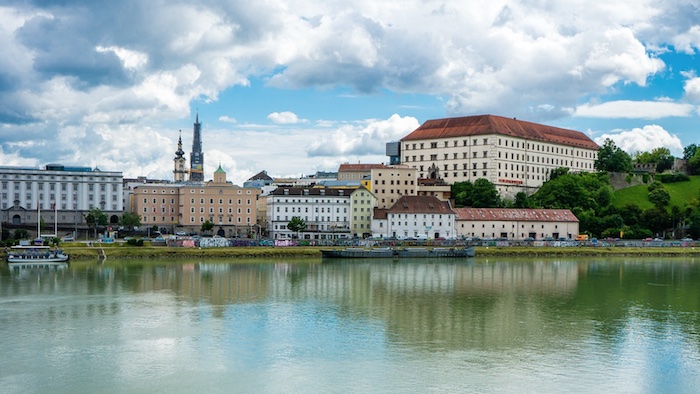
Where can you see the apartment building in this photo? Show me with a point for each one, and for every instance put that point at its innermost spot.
(514, 155)
(516, 224)
(326, 212)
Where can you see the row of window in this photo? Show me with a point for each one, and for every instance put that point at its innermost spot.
(514, 144)
(201, 201)
(192, 191)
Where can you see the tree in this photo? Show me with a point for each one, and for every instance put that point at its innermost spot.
(689, 151)
(658, 194)
(521, 201)
(21, 233)
(662, 157)
(485, 194)
(296, 225)
(96, 218)
(207, 226)
(130, 220)
(613, 159)
(463, 192)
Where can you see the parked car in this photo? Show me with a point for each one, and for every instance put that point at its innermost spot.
(687, 239)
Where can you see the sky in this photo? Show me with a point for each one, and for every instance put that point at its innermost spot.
(297, 86)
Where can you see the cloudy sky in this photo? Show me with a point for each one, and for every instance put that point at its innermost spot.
(299, 86)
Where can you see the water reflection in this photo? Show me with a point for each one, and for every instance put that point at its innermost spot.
(617, 318)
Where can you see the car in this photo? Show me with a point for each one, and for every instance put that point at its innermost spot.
(181, 233)
(68, 238)
(657, 239)
(687, 239)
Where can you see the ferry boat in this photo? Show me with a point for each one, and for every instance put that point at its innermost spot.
(398, 253)
(36, 256)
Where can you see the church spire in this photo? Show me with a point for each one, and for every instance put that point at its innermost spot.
(179, 162)
(196, 156)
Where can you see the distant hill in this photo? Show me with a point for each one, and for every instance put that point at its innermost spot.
(680, 193)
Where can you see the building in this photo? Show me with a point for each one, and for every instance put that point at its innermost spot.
(356, 172)
(420, 217)
(179, 169)
(389, 183)
(516, 224)
(326, 212)
(362, 203)
(61, 195)
(186, 206)
(514, 155)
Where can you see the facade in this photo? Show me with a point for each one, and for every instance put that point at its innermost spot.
(326, 212)
(362, 203)
(186, 206)
(356, 172)
(514, 155)
(516, 224)
(435, 187)
(62, 195)
(389, 183)
(417, 217)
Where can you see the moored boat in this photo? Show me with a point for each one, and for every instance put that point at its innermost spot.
(398, 253)
(36, 256)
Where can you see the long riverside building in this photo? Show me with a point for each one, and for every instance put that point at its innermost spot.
(514, 155)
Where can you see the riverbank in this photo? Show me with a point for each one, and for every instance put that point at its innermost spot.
(82, 252)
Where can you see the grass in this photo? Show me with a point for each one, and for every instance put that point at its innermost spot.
(80, 252)
(680, 192)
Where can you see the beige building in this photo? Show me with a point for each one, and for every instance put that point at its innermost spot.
(389, 183)
(356, 172)
(362, 203)
(186, 206)
(516, 224)
(514, 155)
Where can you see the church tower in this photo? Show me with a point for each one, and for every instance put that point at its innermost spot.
(179, 170)
(196, 156)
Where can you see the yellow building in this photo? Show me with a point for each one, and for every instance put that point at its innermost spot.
(362, 203)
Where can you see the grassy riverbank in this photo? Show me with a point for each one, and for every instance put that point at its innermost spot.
(82, 252)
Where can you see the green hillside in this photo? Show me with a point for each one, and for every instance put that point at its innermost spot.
(680, 193)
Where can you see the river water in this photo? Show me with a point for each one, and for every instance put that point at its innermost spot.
(497, 325)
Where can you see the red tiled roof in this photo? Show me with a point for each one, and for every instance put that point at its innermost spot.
(491, 124)
(520, 215)
(359, 167)
(380, 213)
(421, 204)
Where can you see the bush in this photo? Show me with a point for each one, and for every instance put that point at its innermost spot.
(673, 177)
(134, 241)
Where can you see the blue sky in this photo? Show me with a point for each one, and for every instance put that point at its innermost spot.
(297, 86)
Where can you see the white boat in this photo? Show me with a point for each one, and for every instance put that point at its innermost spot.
(36, 256)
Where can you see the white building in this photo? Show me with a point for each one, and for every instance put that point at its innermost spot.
(326, 212)
(415, 217)
(514, 155)
(70, 191)
(516, 224)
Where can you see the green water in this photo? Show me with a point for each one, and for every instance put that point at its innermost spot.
(299, 326)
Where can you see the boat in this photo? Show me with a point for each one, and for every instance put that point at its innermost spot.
(25, 256)
(398, 253)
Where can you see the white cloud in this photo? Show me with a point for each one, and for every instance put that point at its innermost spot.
(370, 137)
(131, 60)
(634, 109)
(692, 89)
(643, 139)
(285, 117)
(227, 119)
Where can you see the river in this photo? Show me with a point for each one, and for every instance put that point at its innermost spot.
(496, 325)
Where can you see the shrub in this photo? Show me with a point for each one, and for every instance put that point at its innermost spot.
(673, 177)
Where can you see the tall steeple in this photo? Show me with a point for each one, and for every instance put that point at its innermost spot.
(196, 156)
(179, 170)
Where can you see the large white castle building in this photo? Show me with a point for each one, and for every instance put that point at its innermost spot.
(514, 155)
